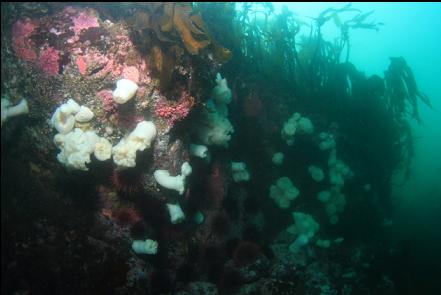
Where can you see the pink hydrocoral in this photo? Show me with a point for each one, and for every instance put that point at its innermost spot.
(131, 73)
(24, 29)
(49, 61)
(125, 119)
(136, 70)
(128, 120)
(173, 112)
(69, 10)
(119, 60)
(22, 43)
(84, 21)
(94, 61)
(23, 49)
(108, 68)
(82, 66)
(107, 99)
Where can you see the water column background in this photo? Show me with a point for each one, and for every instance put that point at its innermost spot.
(411, 30)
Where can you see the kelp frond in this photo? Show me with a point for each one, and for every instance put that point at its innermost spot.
(402, 88)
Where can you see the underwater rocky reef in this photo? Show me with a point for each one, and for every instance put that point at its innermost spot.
(195, 148)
